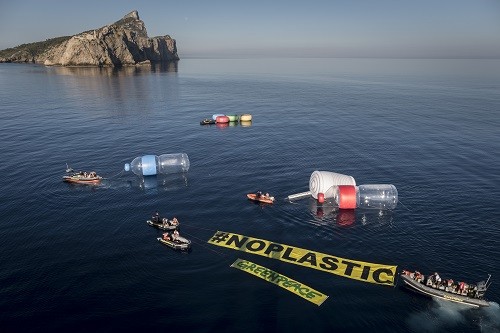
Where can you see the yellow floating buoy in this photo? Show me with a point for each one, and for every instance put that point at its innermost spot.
(246, 117)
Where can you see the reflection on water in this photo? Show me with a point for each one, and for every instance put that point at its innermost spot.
(345, 217)
(348, 217)
(119, 91)
(159, 183)
(165, 67)
(230, 124)
(369, 216)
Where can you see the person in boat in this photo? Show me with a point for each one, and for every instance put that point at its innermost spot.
(175, 235)
(268, 196)
(437, 278)
(258, 194)
(175, 221)
(166, 236)
(156, 217)
(461, 287)
(164, 222)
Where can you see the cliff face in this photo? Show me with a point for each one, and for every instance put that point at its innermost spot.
(122, 43)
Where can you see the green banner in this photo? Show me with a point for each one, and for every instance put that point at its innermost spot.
(281, 280)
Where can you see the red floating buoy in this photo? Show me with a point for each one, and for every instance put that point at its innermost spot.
(321, 198)
(222, 119)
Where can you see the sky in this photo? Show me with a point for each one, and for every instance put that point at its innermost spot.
(276, 28)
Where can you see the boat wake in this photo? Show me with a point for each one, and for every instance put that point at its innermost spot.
(490, 318)
(440, 316)
(445, 316)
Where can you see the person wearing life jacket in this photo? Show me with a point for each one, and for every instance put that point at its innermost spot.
(461, 287)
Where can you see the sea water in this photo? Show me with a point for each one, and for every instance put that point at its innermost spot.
(81, 258)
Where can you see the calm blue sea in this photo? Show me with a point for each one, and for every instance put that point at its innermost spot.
(82, 259)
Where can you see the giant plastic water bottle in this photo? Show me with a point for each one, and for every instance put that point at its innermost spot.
(150, 165)
(378, 196)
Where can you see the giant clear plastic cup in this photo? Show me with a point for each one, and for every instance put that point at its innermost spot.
(325, 182)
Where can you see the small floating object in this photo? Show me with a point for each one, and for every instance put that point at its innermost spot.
(150, 165)
(222, 119)
(233, 117)
(175, 241)
(207, 122)
(214, 117)
(265, 198)
(448, 290)
(246, 117)
(81, 177)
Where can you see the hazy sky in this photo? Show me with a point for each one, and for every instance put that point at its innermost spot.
(211, 28)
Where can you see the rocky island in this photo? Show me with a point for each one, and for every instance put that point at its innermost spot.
(123, 43)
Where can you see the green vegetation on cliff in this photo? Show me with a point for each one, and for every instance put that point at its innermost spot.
(33, 49)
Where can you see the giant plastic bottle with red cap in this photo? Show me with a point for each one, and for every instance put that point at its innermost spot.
(377, 196)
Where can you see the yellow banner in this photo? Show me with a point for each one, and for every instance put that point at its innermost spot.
(283, 281)
(358, 270)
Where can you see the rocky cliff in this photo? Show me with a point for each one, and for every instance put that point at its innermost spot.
(122, 43)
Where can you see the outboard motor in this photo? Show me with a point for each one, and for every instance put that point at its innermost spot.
(482, 287)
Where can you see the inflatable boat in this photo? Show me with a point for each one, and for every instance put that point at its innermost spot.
(448, 290)
(179, 243)
(207, 122)
(164, 224)
(82, 178)
(260, 198)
